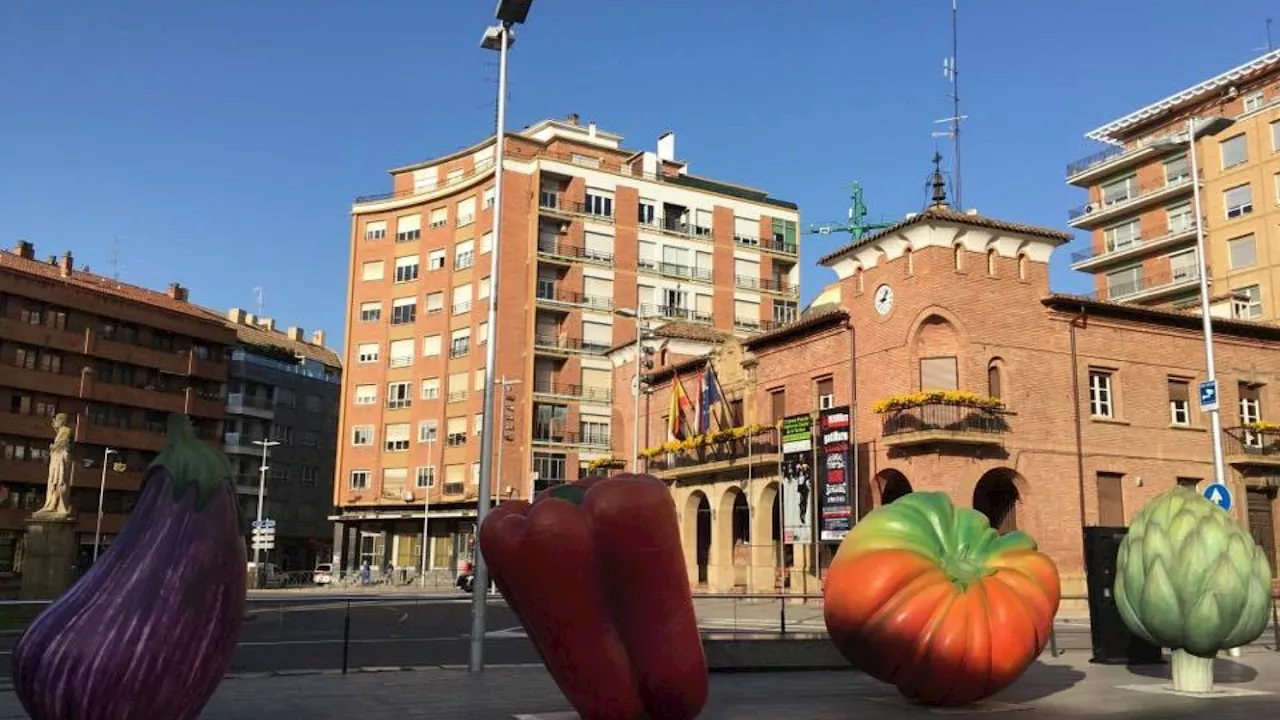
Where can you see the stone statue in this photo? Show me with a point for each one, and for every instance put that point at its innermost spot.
(55, 502)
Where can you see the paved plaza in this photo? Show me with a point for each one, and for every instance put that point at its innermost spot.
(1063, 687)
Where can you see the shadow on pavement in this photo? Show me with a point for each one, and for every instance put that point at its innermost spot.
(1041, 681)
(1225, 671)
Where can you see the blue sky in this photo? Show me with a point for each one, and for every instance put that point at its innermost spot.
(222, 143)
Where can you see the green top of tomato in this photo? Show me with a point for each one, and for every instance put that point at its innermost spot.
(959, 540)
(190, 462)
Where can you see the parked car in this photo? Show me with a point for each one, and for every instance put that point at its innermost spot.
(323, 574)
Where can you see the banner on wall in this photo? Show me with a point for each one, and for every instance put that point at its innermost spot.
(834, 499)
(797, 479)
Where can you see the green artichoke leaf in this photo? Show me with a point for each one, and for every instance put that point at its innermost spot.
(1252, 621)
(1191, 566)
(1159, 608)
(1130, 616)
(1131, 570)
(1203, 628)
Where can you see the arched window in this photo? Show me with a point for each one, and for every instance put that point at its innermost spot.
(994, 384)
(911, 262)
(959, 259)
(1022, 267)
(857, 275)
(991, 262)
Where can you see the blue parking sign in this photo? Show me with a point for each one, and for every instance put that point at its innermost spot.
(1209, 395)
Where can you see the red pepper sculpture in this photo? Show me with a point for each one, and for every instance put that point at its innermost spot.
(595, 572)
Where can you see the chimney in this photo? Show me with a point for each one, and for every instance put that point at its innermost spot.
(591, 129)
(53, 260)
(25, 250)
(66, 265)
(236, 315)
(317, 338)
(295, 333)
(573, 119)
(267, 324)
(667, 146)
(177, 292)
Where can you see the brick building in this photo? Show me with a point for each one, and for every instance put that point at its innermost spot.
(1059, 410)
(593, 234)
(1139, 208)
(117, 359)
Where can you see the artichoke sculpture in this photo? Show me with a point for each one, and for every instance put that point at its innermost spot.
(1191, 579)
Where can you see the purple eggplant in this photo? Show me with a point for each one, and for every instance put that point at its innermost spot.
(149, 631)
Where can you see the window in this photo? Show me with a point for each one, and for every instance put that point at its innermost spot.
(464, 255)
(431, 346)
(458, 387)
(408, 227)
(1234, 151)
(396, 437)
(1254, 101)
(393, 480)
(1249, 302)
(460, 343)
(477, 424)
(375, 230)
(991, 262)
(746, 314)
(1123, 236)
(1179, 401)
(1120, 191)
(785, 311)
(1101, 400)
(777, 405)
(436, 260)
(597, 246)
(431, 388)
(482, 290)
(1124, 282)
(425, 477)
(486, 242)
(362, 435)
(1250, 411)
(957, 259)
(994, 385)
(435, 302)
(399, 395)
(478, 386)
(367, 353)
(1180, 218)
(1189, 483)
(482, 332)
(439, 217)
(475, 473)
(939, 373)
(1243, 252)
(548, 469)
(462, 299)
(401, 352)
(359, 479)
(646, 212)
(488, 197)
(404, 311)
(1183, 266)
(1110, 499)
(370, 312)
(366, 394)
(372, 270)
(455, 432)
(1176, 170)
(784, 235)
(406, 269)
(594, 430)
(1238, 201)
(826, 394)
(425, 180)
(597, 384)
(466, 211)
(599, 202)
(596, 336)
(746, 273)
(426, 431)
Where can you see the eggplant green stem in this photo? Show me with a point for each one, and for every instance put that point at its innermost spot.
(190, 462)
(1192, 673)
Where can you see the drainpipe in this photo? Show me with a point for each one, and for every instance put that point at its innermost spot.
(1081, 320)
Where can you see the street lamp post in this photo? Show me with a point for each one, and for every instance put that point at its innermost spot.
(262, 491)
(499, 37)
(426, 510)
(1196, 129)
(641, 329)
(102, 491)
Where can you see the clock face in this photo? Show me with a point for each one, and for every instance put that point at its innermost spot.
(884, 299)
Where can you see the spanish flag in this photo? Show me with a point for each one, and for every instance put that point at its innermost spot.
(680, 404)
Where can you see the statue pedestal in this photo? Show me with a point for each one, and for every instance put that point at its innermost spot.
(48, 558)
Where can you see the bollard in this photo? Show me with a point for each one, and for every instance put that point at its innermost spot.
(1275, 626)
(1053, 642)
(346, 637)
(782, 614)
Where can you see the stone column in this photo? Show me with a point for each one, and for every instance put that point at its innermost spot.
(49, 557)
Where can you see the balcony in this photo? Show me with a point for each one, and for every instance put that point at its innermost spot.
(173, 362)
(39, 381)
(549, 435)
(675, 270)
(773, 245)
(150, 398)
(480, 170)
(677, 227)
(551, 344)
(1158, 286)
(564, 252)
(775, 285)
(251, 405)
(550, 294)
(117, 437)
(933, 423)
(32, 426)
(1091, 259)
(674, 312)
(43, 336)
(1089, 169)
(719, 456)
(1092, 215)
(553, 204)
(576, 392)
(1252, 448)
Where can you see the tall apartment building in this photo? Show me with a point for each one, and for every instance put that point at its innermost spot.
(592, 232)
(283, 386)
(1140, 209)
(117, 359)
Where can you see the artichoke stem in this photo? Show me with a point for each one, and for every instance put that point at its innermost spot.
(1191, 673)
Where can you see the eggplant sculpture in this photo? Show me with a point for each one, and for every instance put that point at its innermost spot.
(148, 632)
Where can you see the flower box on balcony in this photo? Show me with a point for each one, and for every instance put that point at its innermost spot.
(961, 398)
(946, 417)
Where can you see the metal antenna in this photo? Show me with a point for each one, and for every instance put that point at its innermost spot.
(262, 301)
(951, 71)
(1269, 46)
(113, 259)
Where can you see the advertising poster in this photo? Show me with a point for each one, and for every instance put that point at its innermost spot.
(797, 479)
(834, 500)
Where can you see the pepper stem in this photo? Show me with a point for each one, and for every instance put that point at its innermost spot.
(963, 571)
(1192, 673)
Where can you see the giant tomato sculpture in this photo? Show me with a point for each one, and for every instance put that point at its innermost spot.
(596, 574)
(928, 597)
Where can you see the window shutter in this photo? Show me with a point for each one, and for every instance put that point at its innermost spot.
(939, 373)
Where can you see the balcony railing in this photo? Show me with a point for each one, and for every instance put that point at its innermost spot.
(567, 344)
(767, 243)
(720, 455)
(769, 285)
(1109, 154)
(549, 291)
(943, 422)
(552, 202)
(1097, 212)
(555, 436)
(673, 312)
(256, 402)
(480, 169)
(590, 394)
(676, 270)
(1246, 446)
(678, 227)
(1152, 285)
(1134, 245)
(561, 249)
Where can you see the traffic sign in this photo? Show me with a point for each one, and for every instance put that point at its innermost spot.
(1208, 395)
(1219, 495)
(263, 546)
(263, 524)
